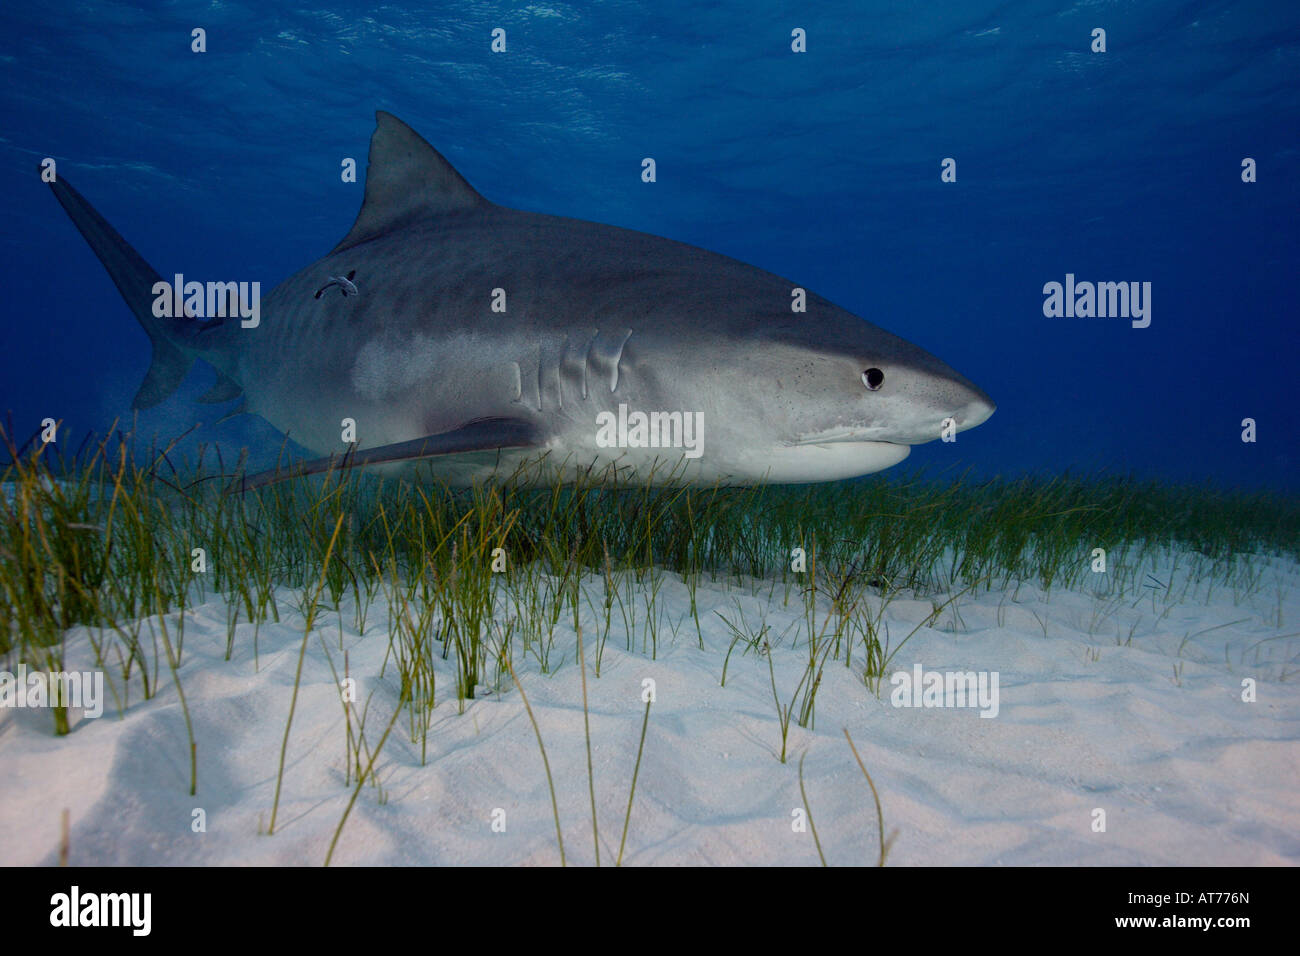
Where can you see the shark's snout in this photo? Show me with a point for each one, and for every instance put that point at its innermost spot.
(930, 404)
(976, 412)
(963, 407)
(953, 400)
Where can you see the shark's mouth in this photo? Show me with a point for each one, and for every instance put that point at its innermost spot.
(842, 436)
(876, 435)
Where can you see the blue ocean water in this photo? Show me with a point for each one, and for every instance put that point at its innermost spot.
(823, 166)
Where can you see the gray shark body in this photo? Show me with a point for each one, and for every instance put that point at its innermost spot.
(596, 319)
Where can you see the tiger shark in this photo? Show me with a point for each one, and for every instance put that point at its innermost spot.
(483, 340)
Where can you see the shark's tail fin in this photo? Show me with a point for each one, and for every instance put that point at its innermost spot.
(135, 279)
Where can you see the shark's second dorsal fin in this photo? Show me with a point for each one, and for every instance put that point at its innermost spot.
(406, 180)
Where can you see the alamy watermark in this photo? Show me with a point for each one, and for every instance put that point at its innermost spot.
(1102, 300)
(133, 911)
(922, 688)
(82, 689)
(638, 429)
(211, 300)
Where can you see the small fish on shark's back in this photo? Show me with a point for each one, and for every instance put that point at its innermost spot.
(490, 340)
(344, 283)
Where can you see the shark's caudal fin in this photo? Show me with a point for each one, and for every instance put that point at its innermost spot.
(135, 279)
(406, 180)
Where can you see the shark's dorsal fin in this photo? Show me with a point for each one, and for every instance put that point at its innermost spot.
(406, 180)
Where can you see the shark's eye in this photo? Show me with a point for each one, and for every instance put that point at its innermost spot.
(873, 378)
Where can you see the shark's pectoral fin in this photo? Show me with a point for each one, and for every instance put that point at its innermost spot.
(225, 390)
(485, 434)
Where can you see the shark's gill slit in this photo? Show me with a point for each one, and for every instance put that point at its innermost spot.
(605, 355)
(573, 365)
(517, 382)
(551, 369)
(587, 359)
(618, 358)
(541, 371)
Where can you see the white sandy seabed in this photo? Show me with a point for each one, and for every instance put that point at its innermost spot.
(1129, 706)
